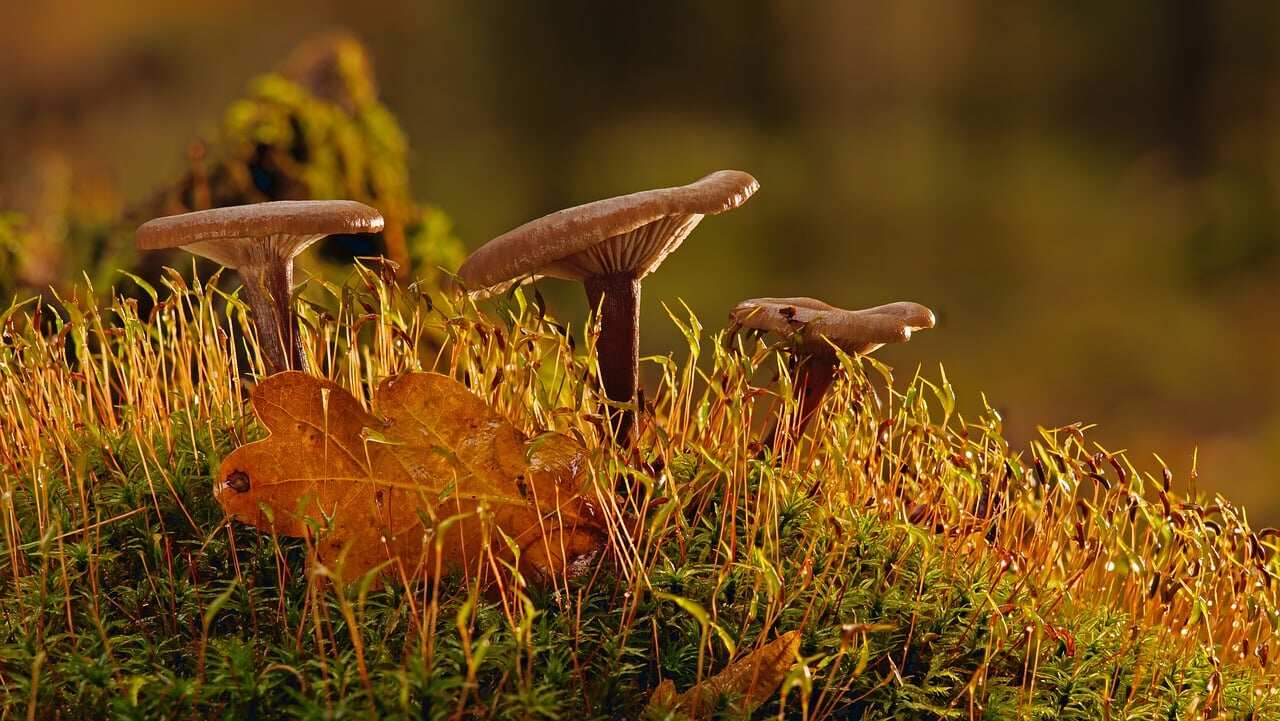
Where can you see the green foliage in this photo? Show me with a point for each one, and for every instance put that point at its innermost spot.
(317, 130)
(313, 129)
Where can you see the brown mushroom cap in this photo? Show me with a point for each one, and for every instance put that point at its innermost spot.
(853, 331)
(630, 234)
(230, 235)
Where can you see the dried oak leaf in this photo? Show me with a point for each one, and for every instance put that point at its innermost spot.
(378, 485)
(750, 681)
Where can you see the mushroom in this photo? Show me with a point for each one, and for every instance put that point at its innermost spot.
(259, 242)
(609, 246)
(817, 329)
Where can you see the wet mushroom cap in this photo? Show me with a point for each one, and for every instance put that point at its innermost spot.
(855, 331)
(295, 224)
(629, 234)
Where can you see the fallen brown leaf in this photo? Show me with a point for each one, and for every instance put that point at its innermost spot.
(378, 485)
(752, 679)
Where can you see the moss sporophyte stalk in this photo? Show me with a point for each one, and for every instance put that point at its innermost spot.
(928, 569)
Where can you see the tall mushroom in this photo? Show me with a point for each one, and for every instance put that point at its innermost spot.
(817, 329)
(259, 242)
(609, 246)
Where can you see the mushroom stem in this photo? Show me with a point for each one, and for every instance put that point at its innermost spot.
(268, 289)
(813, 375)
(816, 376)
(616, 298)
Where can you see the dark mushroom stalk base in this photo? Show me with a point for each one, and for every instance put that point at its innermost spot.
(812, 375)
(267, 274)
(268, 292)
(616, 298)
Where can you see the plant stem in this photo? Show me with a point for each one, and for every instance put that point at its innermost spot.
(617, 300)
(268, 290)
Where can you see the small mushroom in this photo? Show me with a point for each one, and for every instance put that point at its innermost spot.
(609, 246)
(817, 329)
(259, 242)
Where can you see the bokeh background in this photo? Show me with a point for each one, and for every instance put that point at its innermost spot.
(1088, 193)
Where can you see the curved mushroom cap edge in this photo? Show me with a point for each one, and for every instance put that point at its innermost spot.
(259, 220)
(532, 248)
(854, 330)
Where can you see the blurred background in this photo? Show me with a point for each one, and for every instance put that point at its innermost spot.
(1088, 193)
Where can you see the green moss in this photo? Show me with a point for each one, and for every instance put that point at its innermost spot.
(126, 593)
